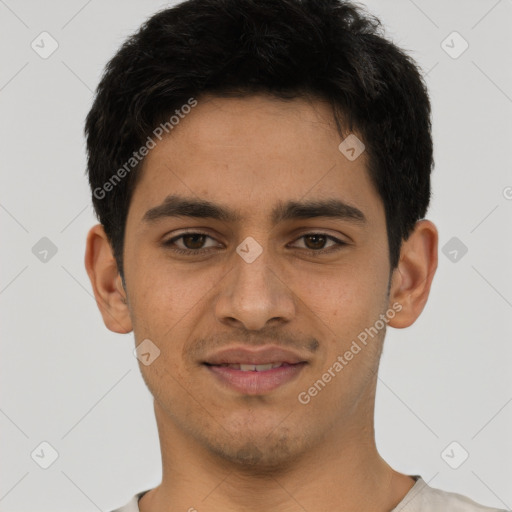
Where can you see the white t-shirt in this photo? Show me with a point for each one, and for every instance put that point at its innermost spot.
(420, 498)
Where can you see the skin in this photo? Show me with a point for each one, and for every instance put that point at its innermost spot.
(221, 449)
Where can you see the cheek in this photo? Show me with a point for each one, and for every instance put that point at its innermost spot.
(165, 296)
(345, 298)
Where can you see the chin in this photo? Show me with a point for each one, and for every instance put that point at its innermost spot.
(263, 452)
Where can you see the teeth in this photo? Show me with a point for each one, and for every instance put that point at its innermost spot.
(254, 367)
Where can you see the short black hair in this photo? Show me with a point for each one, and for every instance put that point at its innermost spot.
(330, 49)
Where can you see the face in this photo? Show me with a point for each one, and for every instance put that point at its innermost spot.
(288, 265)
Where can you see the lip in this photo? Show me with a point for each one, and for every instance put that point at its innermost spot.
(262, 355)
(255, 382)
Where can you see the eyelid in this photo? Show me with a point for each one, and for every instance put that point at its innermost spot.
(338, 243)
(191, 231)
(337, 246)
(340, 237)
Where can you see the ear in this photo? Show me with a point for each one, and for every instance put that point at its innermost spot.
(106, 281)
(411, 280)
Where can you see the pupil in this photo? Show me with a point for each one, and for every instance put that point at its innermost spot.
(318, 241)
(194, 245)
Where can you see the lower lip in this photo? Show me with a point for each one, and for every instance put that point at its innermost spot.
(253, 382)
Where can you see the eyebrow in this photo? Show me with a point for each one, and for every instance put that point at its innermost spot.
(178, 206)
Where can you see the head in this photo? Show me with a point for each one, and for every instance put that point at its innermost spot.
(224, 119)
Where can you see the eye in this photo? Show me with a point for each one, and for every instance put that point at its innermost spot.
(192, 243)
(315, 243)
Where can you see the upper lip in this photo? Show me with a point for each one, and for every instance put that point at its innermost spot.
(245, 355)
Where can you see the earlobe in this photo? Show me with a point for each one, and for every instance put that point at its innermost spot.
(412, 279)
(106, 282)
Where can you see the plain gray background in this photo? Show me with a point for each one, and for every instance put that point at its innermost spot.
(68, 381)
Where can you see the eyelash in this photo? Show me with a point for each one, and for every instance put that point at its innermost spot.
(319, 252)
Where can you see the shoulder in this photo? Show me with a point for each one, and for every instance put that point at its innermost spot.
(133, 504)
(423, 498)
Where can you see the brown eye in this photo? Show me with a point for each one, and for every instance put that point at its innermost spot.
(194, 241)
(315, 241)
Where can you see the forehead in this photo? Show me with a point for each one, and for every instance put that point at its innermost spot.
(253, 154)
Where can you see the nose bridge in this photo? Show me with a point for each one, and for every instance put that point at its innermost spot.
(252, 294)
(253, 274)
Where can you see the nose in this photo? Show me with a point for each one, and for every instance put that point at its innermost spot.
(255, 294)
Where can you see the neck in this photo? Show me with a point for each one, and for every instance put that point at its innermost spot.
(343, 473)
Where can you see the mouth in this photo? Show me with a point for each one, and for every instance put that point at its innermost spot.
(255, 379)
(252, 370)
(251, 367)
